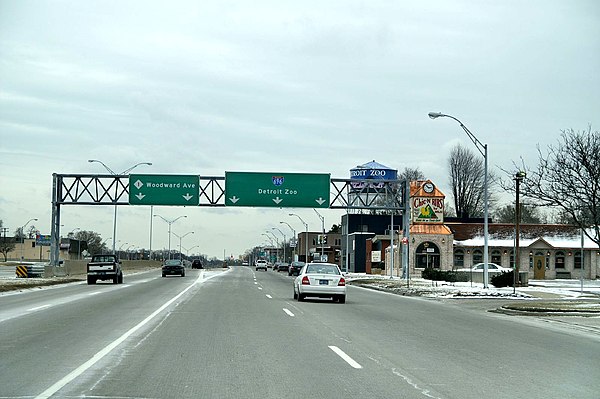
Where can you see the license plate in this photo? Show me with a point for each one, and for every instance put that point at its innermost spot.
(323, 282)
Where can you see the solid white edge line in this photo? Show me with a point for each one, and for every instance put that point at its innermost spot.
(106, 350)
(288, 312)
(345, 357)
(38, 308)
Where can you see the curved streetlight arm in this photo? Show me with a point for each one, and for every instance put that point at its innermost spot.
(280, 232)
(478, 144)
(126, 171)
(170, 222)
(291, 228)
(183, 236)
(303, 222)
(269, 237)
(103, 164)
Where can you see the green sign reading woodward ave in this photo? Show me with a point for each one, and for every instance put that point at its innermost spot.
(289, 190)
(164, 190)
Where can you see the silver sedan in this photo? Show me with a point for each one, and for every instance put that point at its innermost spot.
(322, 280)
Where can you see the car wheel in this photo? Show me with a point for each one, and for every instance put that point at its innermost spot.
(91, 280)
(300, 297)
(342, 298)
(164, 275)
(183, 274)
(295, 295)
(116, 279)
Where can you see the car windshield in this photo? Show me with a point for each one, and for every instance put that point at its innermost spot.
(322, 269)
(173, 262)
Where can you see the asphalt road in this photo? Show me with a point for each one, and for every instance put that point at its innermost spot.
(239, 334)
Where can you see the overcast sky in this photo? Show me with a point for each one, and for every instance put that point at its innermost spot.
(204, 87)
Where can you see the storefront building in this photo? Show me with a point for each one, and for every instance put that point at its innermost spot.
(546, 251)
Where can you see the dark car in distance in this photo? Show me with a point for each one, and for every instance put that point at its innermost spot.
(196, 264)
(295, 268)
(173, 266)
(282, 267)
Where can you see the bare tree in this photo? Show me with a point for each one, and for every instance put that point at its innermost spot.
(568, 178)
(467, 182)
(529, 214)
(411, 174)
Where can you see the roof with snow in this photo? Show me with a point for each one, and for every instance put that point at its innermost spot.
(535, 235)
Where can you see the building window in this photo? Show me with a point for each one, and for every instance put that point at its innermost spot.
(559, 260)
(577, 260)
(497, 257)
(477, 256)
(363, 227)
(459, 258)
(512, 258)
(338, 242)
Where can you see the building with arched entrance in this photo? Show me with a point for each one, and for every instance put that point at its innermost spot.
(545, 251)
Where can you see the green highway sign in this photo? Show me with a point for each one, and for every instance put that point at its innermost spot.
(164, 190)
(282, 190)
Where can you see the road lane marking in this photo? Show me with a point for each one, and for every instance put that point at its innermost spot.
(269, 296)
(38, 308)
(255, 283)
(288, 312)
(109, 348)
(93, 293)
(346, 358)
(260, 288)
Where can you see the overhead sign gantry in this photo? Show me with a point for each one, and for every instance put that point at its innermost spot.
(236, 189)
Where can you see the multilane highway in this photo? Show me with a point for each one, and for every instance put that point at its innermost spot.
(239, 334)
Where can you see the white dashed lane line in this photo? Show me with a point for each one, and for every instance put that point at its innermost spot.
(344, 356)
(269, 296)
(288, 312)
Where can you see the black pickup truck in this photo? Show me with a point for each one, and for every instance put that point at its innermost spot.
(104, 267)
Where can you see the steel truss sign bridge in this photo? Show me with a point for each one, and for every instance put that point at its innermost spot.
(235, 189)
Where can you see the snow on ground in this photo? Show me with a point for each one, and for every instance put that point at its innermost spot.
(557, 289)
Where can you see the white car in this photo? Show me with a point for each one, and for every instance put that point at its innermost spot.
(492, 267)
(261, 264)
(322, 280)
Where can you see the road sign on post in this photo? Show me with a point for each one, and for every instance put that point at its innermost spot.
(282, 190)
(164, 190)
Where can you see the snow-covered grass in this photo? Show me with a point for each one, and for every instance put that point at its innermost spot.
(547, 289)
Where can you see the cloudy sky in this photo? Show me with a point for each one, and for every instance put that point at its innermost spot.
(204, 87)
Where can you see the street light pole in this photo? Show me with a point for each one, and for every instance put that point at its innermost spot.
(180, 238)
(482, 148)
(293, 235)
(126, 171)
(23, 234)
(305, 238)
(519, 176)
(277, 242)
(284, 240)
(170, 222)
(271, 241)
(323, 236)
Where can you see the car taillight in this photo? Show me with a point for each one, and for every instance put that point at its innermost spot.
(305, 280)
(342, 282)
